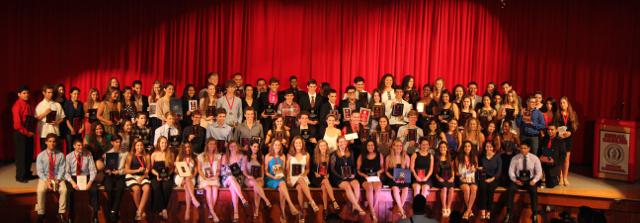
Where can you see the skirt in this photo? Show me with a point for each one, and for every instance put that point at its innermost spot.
(131, 180)
(178, 180)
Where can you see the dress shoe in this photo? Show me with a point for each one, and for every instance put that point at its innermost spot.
(507, 219)
(62, 218)
(40, 218)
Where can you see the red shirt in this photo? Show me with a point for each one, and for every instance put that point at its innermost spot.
(20, 110)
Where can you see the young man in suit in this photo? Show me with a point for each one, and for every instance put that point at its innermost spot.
(311, 101)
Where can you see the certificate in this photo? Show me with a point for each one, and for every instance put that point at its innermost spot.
(183, 169)
(81, 181)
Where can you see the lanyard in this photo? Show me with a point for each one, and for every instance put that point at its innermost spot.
(232, 102)
(140, 161)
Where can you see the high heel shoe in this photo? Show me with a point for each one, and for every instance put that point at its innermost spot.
(314, 207)
(336, 206)
(195, 203)
(268, 205)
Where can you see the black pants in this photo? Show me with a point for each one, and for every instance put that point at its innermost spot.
(161, 191)
(93, 198)
(23, 155)
(114, 185)
(551, 178)
(485, 194)
(532, 192)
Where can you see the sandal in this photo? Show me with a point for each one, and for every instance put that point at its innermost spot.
(314, 207)
(283, 220)
(236, 217)
(138, 216)
(336, 206)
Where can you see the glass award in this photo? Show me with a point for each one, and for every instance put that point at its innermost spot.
(270, 110)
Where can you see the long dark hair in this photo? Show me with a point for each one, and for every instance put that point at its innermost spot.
(554, 105)
(185, 92)
(473, 154)
(405, 82)
(381, 83)
(439, 155)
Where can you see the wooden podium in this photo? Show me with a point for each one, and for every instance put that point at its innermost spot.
(616, 152)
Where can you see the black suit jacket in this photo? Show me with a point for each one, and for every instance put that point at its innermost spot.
(557, 152)
(325, 108)
(305, 102)
(345, 104)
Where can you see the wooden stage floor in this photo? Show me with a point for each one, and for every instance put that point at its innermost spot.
(618, 200)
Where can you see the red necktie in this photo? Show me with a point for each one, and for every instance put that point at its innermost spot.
(52, 165)
(78, 165)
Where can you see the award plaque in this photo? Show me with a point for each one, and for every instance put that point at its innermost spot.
(221, 144)
(347, 113)
(51, 117)
(112, 161)
(256, 171)
(270, 110)
(377, 111)
(401, 176)
(235, 169)
(412, 135)
(296, 169)
(193, 105)
(323, 169)
(397, 110)
(363, 98)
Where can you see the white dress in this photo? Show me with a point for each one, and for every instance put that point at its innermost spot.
(332, 142)
(294, 161)
(206, 166)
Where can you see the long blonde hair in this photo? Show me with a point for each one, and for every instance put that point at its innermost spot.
(317, 154)
(169, 158)
(392, 153)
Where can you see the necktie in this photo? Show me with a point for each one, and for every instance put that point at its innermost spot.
(78, 164)
(524, 164)
(51, 166)
(313, 101)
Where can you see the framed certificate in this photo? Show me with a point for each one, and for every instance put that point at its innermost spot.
(372, 179)
(397, 109)
(347, 113)
(81, 180)
(152, 109)
(193, 105)
(277, 169)
(183, 169)
(365, 114)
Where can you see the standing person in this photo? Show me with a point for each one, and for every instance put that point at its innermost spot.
(253, 171)
(370, 163)
(188, 94)
(486, 112)
(127, 104)
(141, 131)
(220, 130)
(472, 91)
(351, 104)
(136, 168)
(489, 171)
(447, 110)
(524, 171)
(411, 94)
(531, 121)
(289, 109)
(249, 100)
(232, 104)
(141, 100)
(75, 118)
(438, 88)
(329, 108)
(410, 133)
(114, 179)
(307, 131)
(376, 104)
(50, 166)
(269, 102)
(444, 173)
(249, 130)
(91, 108)
(208, 105)
(108, 113)
(274, 171)
(162, 168)
(551, 155)
(397, 118)
(510, 143)
(59, 94)
(187, 156)
(549, 110)
(80, 163)
(194, 133)
(466, 111)
(48, 123)
(458, 93)
(98, 142)
(23, 135)
(386, 87)
(163, 105)
(261, 87)
(384, 135)
(568, 119)
(209, 166)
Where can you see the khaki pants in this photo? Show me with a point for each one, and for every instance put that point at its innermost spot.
(41, 192)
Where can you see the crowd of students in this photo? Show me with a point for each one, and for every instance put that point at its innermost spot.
(238, 135)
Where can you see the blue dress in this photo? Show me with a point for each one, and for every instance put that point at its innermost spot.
(270, 182)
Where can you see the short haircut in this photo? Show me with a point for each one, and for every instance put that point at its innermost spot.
(304, 113)
(221, 111)
(331, 91)
(229, 83)
(505, 83)
(358, 79)
(260, 79)
(22, 88)
(293, 77)
(196, 112)
(51, 135)
(116, 137)
(312, 81)
(137, 82)
(274, 80)
(211, 74)
(350, 87)
(47, 87)
(472, 83)
(288, 92)
(74, 89)
(237, 74)
(138, 114)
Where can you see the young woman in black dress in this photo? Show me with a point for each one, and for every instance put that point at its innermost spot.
(445, 177)
(343, 169)
(422, 169)
(369, 164)
(489, 170)
(567, 119)
(320, 174)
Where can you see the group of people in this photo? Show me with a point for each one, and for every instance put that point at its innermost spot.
(239, 135)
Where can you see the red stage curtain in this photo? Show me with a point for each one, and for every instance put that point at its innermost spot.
(587, 50)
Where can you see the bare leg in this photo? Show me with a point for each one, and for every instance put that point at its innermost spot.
(443, 197)
(425, 191)
(346, 186)
(300, 197)
(404, 195)
(565, 170)
(282, 188)
(355, 185)
(450, 198)
(146, 189)
(377, 186)
(136, 196)
(187, 198)
(416, 189)
(472, 198)
(397, 199)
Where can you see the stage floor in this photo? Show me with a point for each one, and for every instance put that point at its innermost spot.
(581, 186)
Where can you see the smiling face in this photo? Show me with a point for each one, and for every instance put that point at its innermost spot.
(371, 147)
(298, 145)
